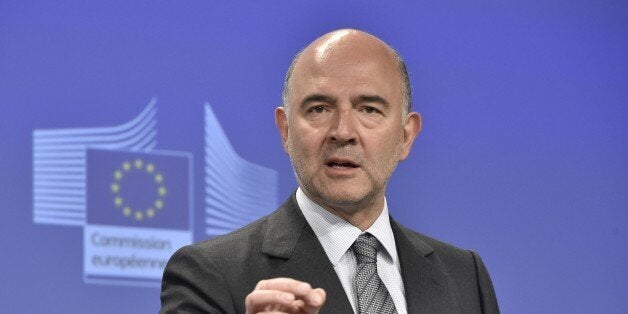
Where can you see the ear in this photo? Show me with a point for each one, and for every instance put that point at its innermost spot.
(411, 129)
(281, 121)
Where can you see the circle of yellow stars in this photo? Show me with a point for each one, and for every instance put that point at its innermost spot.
(118, 183)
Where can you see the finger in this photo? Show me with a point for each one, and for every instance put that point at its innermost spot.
(273, 307)
(314, 300)
(298, 288)
(295, 307)
(259, 300)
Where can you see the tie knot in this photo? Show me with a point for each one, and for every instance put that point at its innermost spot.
(365, 248)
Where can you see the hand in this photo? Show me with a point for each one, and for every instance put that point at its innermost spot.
(284, 295)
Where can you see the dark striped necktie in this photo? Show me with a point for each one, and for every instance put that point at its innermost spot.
(373, 297)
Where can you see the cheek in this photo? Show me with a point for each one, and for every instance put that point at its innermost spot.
(306, 138)
(302, 146)
(385, 152)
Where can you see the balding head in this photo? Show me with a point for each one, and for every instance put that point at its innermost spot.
(349, 45)
(346, 122)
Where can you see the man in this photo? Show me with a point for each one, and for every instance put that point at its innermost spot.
(332, 247)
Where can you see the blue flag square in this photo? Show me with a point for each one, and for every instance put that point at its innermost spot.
(139, 189)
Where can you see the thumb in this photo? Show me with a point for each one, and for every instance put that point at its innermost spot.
(315, 300)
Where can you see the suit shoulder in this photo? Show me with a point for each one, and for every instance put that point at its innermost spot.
(464, 267)
(206, 277)
(240, 240)
(449, 253)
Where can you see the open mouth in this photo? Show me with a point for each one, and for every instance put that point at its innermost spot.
(342, 165)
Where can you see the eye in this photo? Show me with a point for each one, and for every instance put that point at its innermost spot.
(317, 109)
(370, 110)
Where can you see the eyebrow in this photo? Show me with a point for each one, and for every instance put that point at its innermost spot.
(317, 98)
(371, 99)
(358, 99)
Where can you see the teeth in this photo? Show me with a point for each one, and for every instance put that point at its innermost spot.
(337, 165)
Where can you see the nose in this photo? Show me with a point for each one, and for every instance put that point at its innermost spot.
(343, 129)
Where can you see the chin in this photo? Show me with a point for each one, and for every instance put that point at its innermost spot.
(340, 197)
(347, 195)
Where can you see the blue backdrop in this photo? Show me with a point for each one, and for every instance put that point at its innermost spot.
(523, 155)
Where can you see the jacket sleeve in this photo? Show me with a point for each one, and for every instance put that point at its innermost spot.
(488, 300)
(193, 284)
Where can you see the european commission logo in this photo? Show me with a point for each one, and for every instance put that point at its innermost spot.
(139, 213)
(133, 201)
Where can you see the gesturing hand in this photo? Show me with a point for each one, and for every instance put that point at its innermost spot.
(284, 295)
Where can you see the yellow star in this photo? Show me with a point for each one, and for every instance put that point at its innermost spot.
(118, 201)
(127, 211)
(117, 175)
(115, 187)
(150, 168)
(126, 166)
(139, 215)
(159, 204)
(162, 191)
(150, 213)
(159, 178)
(138, 163)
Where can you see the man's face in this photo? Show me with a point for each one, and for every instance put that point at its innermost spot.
(344, 131)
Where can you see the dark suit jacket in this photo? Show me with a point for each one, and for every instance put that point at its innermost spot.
(215, 276)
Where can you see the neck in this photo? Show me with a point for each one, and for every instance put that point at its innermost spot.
(361, 214)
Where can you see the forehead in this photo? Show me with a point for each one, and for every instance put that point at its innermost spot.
(346, 60)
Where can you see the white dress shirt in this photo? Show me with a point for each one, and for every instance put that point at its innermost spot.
(336, 235)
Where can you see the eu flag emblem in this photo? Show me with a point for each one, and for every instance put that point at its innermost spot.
(147, 189)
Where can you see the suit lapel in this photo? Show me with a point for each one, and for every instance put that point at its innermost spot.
(298, 254)
(428, 288)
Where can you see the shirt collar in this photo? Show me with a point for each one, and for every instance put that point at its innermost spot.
(336, 235)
